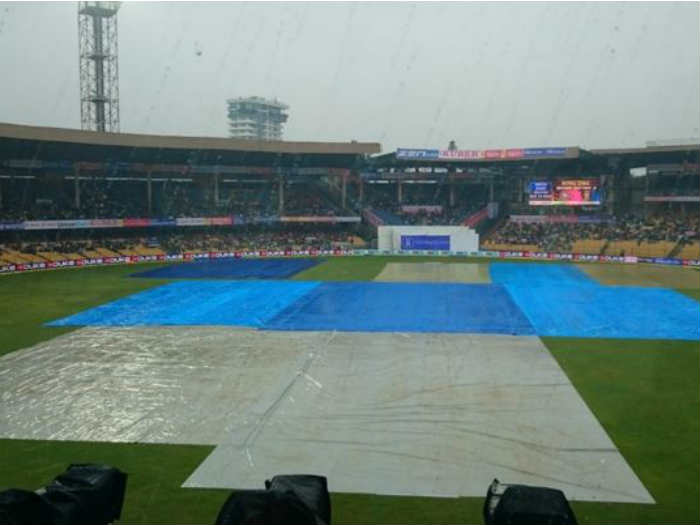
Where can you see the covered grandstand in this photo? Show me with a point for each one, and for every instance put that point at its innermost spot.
(68, 195)
(93, 194)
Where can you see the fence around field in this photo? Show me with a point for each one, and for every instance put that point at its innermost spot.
(191, 256)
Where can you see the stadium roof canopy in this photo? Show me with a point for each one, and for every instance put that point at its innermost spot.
(70, 145)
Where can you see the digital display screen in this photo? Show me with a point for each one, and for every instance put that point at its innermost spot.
(565, 192)
(425, 242)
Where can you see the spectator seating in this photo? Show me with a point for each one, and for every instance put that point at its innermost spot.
(588, 246)
(52, 256)
(297, 238)
(689, 251)
(658, 236)
(640, 249)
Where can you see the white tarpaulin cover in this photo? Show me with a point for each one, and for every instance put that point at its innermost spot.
(387, 413)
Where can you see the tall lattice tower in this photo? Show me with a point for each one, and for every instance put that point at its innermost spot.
(99, 71)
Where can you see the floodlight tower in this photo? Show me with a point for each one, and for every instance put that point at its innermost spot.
(99, 71)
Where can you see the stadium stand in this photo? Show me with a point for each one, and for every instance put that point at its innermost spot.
(657, 236)
(297, 237)
(423, 205)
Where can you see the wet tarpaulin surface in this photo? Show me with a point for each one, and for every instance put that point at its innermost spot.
(533, 274)
(561, 300)
(310, 305)
(404, 307)
(232, 303)
(232, 269)
(405, 414)
(543, 308)
(608, 311)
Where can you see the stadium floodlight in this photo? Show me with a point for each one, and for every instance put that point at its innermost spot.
(84, 494)
(286, 499)
(525, 505)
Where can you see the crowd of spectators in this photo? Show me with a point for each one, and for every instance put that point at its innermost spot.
(304, 201)
(561, 236)
(468, 202)
(278, 239)
(108, 199)
(261, 201)
(301, 237)
(448, 216)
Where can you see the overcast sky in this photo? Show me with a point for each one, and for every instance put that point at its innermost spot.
(406, 75)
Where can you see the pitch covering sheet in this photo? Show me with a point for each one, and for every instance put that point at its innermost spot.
(387, 413)
(232, 269)
(525, 299)
(311, 305)
(232, 303)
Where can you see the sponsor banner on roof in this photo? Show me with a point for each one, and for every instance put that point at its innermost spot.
(461, 154)
(544, 152)
(489, 154)
(417, 154)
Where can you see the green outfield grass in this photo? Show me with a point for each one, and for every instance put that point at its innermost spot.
(28, 300)
(644, 393)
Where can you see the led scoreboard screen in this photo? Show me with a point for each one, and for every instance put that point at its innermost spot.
(565, 192)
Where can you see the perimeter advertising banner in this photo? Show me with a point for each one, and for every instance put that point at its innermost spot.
(431, 248)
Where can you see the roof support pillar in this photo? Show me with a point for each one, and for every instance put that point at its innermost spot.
(216, 190)
(280, 194)
(344, 188)
(76, 184)
(149, 192)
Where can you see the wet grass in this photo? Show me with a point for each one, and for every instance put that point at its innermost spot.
(646, 394)
(28, 300)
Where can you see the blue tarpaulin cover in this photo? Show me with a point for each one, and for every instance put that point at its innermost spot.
(235, 303)
(526, 299)
(228, 268)
(404, 307)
